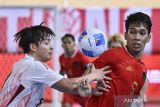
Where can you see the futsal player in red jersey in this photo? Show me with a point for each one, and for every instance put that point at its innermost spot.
(128, 71)
(72, 64)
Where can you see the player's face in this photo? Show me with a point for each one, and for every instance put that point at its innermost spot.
(115, 45)
(68, 44)
(137, 36)
(45, 49)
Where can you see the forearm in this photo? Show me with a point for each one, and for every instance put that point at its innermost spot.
(143, 90)
(70, 85)
(73, 83)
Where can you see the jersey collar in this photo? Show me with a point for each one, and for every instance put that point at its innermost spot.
(29, 56)
(131, 55)
(72, 55)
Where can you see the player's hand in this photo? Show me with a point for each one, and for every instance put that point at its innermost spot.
(84, 88)
(100, 74)
(100, 87)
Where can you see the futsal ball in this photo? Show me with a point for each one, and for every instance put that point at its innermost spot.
(92, 42)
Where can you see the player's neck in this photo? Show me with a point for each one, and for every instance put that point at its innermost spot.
(69, 54)
(35, 56)
(137, 55)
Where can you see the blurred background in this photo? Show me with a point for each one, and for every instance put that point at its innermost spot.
(73, 16)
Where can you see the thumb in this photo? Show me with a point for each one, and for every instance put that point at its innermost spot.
(88, 68)
(92, 66)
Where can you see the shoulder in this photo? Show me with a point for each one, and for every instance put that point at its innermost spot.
(40, 65)
(143, 65)
(114, 51)
(24, 62)
(111, 54)
(79, 53)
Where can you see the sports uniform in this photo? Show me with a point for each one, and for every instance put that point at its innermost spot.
(128, 75)
(25, 85)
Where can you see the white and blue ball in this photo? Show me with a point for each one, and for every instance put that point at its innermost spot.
(92, 42)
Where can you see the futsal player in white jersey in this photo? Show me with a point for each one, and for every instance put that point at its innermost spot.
(25, 85)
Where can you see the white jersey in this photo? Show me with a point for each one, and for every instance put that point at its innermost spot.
(25, 85)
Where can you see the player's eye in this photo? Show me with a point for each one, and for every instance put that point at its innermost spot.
(132, 32)
(143, 33)
(46, 43)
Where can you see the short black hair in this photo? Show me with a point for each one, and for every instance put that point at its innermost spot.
(138, 17)
(34, 34)
(68, 35)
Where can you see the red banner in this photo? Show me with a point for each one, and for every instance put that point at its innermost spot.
(110, 21)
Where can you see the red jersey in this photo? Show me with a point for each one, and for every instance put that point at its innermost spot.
(73, 67)
(128, 76)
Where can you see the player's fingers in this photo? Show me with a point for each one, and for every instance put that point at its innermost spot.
(102, 83)
(83, 83)
(86, 83)
(107, 78)
(107, 86)
(102, 88)
(107, 82)
(105, 68)
(98, 93)
(107, 72)
(80, 84)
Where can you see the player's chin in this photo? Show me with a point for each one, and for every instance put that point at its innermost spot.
(48, 58)
(136, 50)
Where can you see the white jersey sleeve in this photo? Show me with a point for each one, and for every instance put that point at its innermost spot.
(41, 73)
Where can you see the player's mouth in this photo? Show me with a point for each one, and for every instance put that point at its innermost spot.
(136, 45)
(50, 53)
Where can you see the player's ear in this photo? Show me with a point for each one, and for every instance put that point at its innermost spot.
(125, 36)
(33, 47)
(62, 45)
(74, 43)
(148, 39)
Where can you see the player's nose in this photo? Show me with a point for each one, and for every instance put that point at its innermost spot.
(137, 36)
(51, 47)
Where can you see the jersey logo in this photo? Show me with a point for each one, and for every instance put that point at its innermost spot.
(134, 87)
(129, 68)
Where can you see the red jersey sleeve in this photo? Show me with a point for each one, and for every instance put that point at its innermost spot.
(106, 58)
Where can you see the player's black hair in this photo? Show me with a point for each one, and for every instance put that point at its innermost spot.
(34, 34)
(138, 18)
(68, 35)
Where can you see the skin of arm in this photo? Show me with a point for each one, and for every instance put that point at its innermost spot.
(142, 98)
(100, 85)
(71, 85)
(143, 90)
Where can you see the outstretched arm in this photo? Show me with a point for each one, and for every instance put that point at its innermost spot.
(71, 85)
